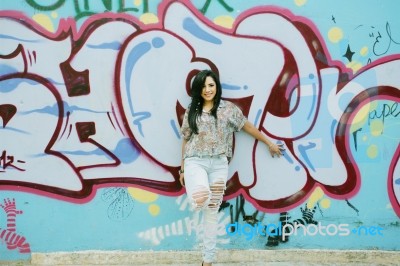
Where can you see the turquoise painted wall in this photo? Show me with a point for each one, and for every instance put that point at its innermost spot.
(91, 101)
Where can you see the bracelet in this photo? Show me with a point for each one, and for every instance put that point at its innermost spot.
(181, 171)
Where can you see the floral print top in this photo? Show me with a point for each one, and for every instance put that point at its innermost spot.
(214, 137)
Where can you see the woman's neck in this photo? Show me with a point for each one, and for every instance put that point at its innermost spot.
(207, 106)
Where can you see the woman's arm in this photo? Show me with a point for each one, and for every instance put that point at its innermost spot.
(181, 172)
(255, 133)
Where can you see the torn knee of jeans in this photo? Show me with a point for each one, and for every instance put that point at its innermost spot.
(217, 194)
(200, 198)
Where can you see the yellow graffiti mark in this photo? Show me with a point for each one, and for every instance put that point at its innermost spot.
(137, 2)
(364, 51)
(224, 21)
(316, 195)
(148, 18)
(335, 34)
(374, 105)
(154, 209)
(44, 21)
(300, 2)
(355, 66)
(142, 195)
(372, 151)
(325, 203)
(364, 138)
(376, 128)
(360, 118)
(54, 15)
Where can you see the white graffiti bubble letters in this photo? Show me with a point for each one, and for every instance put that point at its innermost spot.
(150, 103)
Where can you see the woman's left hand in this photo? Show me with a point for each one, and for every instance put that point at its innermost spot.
(276, 149)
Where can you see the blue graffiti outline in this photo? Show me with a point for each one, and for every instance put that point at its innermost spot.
(303, 151)
(133, 56)
(191, 26)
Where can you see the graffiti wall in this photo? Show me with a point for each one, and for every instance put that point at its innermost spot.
(92, 95)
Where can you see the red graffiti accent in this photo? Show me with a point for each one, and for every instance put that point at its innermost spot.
(85, 130)
(7, 111)
(391, 181)
(19, 51)
(7, 161)
(9, 235)
(77, 83)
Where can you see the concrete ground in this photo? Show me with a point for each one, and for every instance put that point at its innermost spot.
(292, 263)
(225, 264)
(225, 258)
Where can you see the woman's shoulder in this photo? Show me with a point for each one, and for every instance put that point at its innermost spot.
(227, 104)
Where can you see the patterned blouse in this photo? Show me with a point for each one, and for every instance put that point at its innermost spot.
(214, 137)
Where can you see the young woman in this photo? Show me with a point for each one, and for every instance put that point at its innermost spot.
(207, 132)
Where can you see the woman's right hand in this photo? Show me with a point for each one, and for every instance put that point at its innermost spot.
(276, 149)
(182, 179)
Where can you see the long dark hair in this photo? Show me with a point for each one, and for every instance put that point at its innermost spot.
(196, 107)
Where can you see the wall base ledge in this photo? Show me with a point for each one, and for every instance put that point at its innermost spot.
(308, 256)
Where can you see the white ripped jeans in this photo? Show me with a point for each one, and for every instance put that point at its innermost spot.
(205, 181)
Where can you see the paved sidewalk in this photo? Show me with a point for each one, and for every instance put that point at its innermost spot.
(225, 258)
(261, 263)
(287, 263)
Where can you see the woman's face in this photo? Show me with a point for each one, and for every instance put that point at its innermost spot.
(209, 89)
